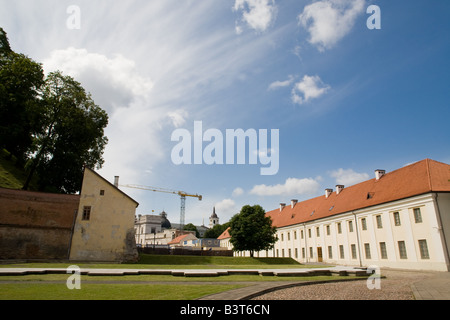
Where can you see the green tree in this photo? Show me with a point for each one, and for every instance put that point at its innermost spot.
(191, 227)
(251, 230)
(71, 136)
(216, 231)
(5, 48)
(20, 81)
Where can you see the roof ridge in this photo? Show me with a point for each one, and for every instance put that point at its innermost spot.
(110, 184)
(429, 174)
(420, 177)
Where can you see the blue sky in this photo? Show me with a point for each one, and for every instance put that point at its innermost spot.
(346, 100)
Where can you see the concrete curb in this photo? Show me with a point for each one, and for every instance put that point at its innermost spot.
(191, 272)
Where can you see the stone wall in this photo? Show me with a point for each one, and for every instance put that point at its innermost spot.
(36, 225)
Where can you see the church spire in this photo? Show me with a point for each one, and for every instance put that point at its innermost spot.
(213, 219)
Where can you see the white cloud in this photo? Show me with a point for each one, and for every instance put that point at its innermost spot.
(114, 82)
(257, 14)
(178, 117)
(281, 84)
(311, 87)
(226, 207)
(292, 186)
(238, 192)
(348, 177)
(117, 87)
(328, 21)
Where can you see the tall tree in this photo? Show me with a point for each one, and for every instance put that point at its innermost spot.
(20, 81)
(251, 230)
(71, 135)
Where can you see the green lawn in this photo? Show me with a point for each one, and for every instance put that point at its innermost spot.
(100, 291)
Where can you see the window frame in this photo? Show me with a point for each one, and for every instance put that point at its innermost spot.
(397, 219)
(87, 210)
(417, 215)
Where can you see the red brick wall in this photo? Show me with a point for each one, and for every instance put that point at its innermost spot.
(35, 225)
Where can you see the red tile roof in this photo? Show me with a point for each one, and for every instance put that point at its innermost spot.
(178, 239)
(415, 179)
(225, 235)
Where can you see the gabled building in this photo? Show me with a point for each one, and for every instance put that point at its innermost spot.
(399, 219)
(224, 239)
(185, 240)
(104, 225)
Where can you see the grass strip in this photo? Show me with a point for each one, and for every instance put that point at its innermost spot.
(52, 291)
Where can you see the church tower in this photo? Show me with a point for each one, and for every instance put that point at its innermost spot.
(214, 219)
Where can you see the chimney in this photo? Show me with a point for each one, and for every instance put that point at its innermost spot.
(379, 173)
(293, 203)
(339, 188)
(328, 192)
(282, 205)
(116, 181)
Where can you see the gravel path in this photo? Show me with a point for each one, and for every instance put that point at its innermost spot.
(395, 286)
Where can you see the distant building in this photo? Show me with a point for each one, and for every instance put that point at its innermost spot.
(208, 243)
(104, 225)
(185, 240)
(224, 239)
(213, 219)
(158, 230)
(150, 227)
(202, 230)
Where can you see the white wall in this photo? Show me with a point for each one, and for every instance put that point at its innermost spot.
(409, 232)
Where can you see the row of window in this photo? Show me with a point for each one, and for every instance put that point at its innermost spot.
(379, 222)
(397, 220)
(401, 246)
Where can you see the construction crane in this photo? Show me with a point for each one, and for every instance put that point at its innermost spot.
(182, 194)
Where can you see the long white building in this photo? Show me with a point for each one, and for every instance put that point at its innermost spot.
(399, 219)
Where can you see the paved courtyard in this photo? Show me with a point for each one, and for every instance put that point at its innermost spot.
(397, 285)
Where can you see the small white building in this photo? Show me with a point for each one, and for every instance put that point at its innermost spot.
(185, 240)
(225, 240)
(399, 219)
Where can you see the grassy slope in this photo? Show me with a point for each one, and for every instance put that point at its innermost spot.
(11, 177)
(213, 261)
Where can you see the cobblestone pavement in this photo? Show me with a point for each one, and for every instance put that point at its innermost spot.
(395, 285)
